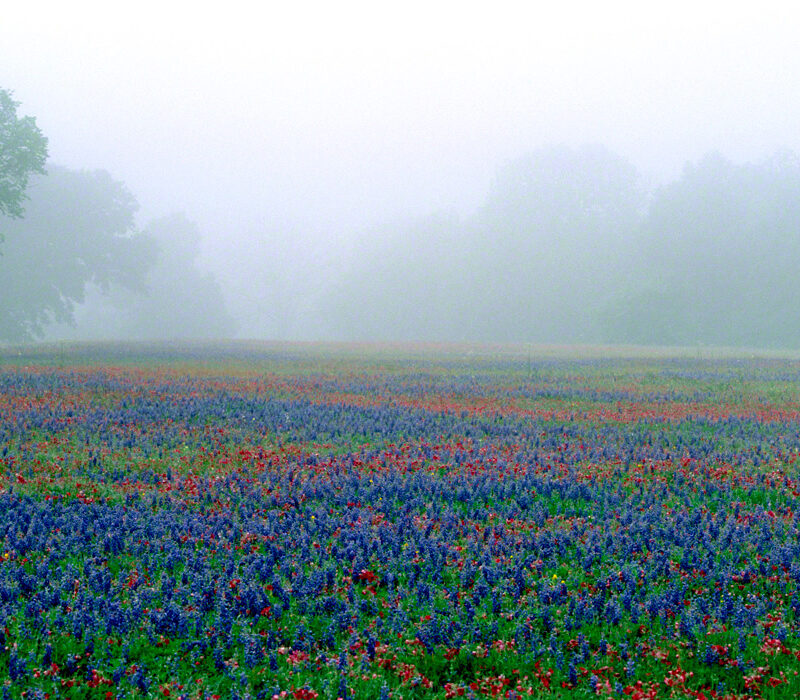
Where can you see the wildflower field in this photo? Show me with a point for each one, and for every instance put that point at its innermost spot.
(282, 522)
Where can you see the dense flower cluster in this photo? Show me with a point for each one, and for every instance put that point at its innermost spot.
(623, 529)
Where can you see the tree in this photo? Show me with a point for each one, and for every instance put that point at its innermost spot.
(176, 301)
(718, 258)
(547, 244)
(79, 230)
(23, 151)
(181, 300)
(534, 263)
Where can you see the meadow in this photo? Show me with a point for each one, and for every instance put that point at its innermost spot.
(358, 522)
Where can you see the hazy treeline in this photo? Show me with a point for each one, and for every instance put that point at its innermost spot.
(570, 247)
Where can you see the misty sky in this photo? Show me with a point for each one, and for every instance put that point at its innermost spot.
(299, 123)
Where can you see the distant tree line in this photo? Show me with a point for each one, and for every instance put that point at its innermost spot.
(716, 259)
(570, 247)
(70, 237)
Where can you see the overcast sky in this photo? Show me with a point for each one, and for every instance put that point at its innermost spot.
(324, 117)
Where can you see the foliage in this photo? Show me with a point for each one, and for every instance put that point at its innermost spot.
(568, 249)
(178, 299)
(79, 230)
(549, 242)
(536, 262)
(23, 151)
(404, 529)
(717, 258)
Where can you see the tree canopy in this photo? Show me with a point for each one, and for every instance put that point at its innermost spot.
(182, 300)
(23, 152)
(569, 248)
(535, 262)
(78, 230)
(717, 259)
(78, 240)
(178, 300)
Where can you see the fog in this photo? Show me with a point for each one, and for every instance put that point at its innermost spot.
(433, 171)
